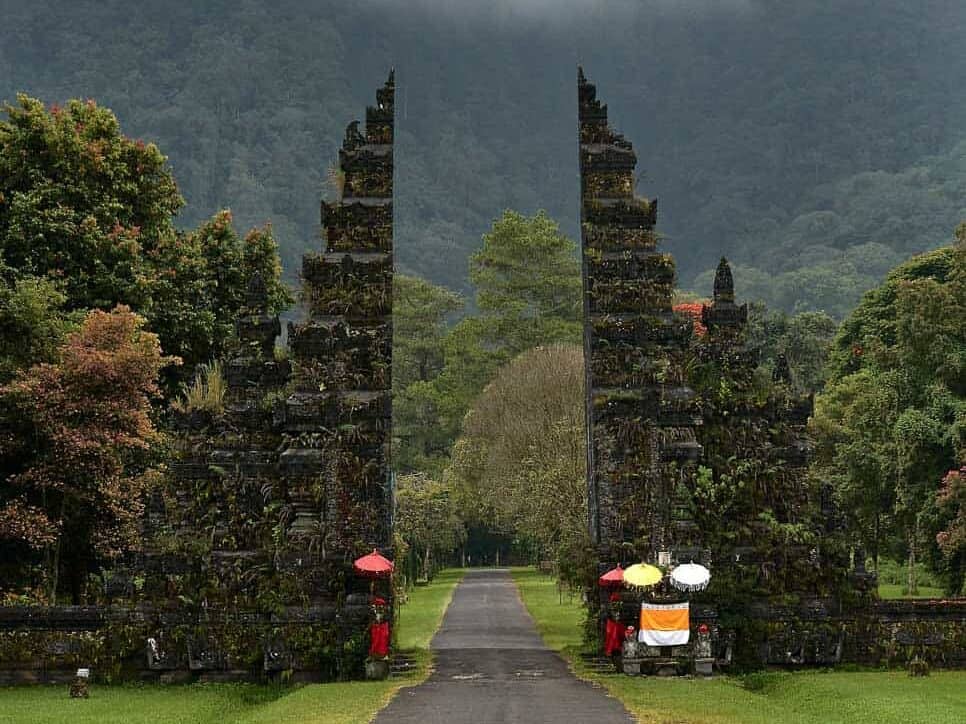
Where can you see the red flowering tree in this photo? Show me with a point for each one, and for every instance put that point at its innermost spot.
(76, 447)
(693, 310)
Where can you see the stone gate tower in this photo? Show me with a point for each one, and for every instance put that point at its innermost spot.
(640, 413)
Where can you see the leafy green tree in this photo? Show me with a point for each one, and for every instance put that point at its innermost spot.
(81, 202)
(199, 284)
(520, 464)
(893, 417)
(527, 280)
(420, 315)
(426, 518)
(93, 210)
(33, 324)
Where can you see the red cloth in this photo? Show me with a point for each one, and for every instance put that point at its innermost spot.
(613, 637)
(379, 639)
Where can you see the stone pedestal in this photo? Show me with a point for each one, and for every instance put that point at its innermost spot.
(80, 688)
(703, 667)
(632, 667)
(377, 669)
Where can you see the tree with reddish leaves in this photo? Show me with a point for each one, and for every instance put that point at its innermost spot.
(89, 213)
(951, 501)
(77, 447)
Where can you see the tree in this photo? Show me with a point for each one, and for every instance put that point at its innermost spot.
(893, 416)
(420, 312)
(92, 210)
(528, 287)
(951, 539)
(78, 442)
(81, 202)
(520, 464)
(33, 324)
(426, 518)
(198, 287)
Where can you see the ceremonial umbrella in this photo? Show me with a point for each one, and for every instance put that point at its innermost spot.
(690, 577)
(373, 565)
(641, 575)
(613, 577)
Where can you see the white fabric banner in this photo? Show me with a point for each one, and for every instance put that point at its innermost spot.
(664, 638)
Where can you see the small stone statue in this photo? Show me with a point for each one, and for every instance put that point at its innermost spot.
(702, 644)
(631, 648)
(80, 686)
(377, 665)
(703, 657)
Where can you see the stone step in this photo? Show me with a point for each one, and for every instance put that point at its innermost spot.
(401, 666)
(598, 664)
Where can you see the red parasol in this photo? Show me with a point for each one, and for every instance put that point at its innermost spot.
(613, 577)
(373, 565)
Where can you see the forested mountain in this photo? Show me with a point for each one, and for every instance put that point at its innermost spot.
(816, 143)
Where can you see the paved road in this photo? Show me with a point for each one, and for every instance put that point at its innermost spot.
(492, 668)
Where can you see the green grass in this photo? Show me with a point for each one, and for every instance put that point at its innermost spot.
(895, 590)
(811, 697)
(338, 703)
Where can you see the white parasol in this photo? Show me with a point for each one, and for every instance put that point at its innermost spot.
(690, 577)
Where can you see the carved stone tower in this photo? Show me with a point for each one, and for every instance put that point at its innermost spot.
(338, 417)
(640, 413)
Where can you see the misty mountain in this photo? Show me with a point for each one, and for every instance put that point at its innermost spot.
(787, 136)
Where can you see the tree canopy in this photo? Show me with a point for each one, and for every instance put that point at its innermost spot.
(77, 445)
(87, 222)
(520, 463)
(892, 419)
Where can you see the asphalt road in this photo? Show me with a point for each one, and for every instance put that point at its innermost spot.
(492, 667)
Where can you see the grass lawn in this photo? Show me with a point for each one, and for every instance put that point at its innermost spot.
(895, 590)
(338, 703)
(813, 697)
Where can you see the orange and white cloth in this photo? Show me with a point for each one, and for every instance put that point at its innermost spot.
(665, 624)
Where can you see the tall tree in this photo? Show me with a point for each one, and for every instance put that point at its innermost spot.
(893, 417)
(527, 279)
(420, 315)
(78, 440)
(81, 202)
(85, 206)
(520, 464)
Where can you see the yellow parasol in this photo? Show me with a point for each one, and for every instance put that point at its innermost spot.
(641, 575)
